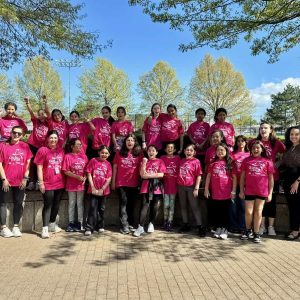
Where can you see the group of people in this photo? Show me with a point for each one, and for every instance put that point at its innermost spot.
(240, 178)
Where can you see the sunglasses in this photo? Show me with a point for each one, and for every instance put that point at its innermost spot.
(16, 133)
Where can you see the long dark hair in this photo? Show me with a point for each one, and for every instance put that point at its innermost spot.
(263, 152)
(287, 140)
(71, 144)
(110, 119)
(218, 110)
(227, 158)
(156, 103)
(235, 147)
(272, 136)
(10, 104)
(55, 110)
(136, 151)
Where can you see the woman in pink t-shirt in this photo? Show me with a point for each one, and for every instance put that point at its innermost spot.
(126, 179)
(74, 166)
(15, 158)
(49, 160)
(151, 128)
(99, 175)
(218, 189)
(36, 139)
(170, 184)
(256, 187)
(152, 171)
(188, 180)
(120, 128)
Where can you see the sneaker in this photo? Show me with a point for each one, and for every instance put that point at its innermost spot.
(30, 186)
(70, 227)
(262, 229)
(78, 227)
(169, 226)
(247, 234)
(256, 238)
(139, 231)
(224, 234)
(45, 233)
(16, 231)
(185, 228)
(101, 230)
(5, 232)
(271, 231)
(217, 232)
(125, 230)
(150, 228)
(53, 227)
(87, 232)
(201, 231)
(131, 228)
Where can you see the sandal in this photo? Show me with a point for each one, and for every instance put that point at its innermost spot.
(292, 237)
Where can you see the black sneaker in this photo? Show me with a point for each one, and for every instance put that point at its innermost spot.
(201, 231)
(70, 227)
(78, 227)
(125, 230)
(256, 238)
(185, 228)
(247, 234)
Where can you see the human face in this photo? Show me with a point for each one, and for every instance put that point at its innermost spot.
(152, 152)
(10, 111)
(172, 112)
(221, 116)
(52, 140)
(105, 113)
(16, 134)
(170, 149)
(76, 148)
(221, 152)
(156, 110)
(57, 116)
(130, 143)
(265, 131)
(256, 150)
(103, 154)
(74, 118)
(121, 114)
(41, 115)
(189, 152)
(216, 138)
(295, 136)
(241, 144)
(200, 116)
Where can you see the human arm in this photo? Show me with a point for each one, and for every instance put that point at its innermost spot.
(196, 188)
(5, 183)
(234, 185)
(242, 185)
(40, 178)
(114, 175)
(271, 186)
(181, 143)
(29, 108)
(207, 183)
(47, 110)
(23, 183)
(144, 145)
(78, 177)
(91, 182)
(114, 140)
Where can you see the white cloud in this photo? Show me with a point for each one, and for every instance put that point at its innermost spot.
(262, 94)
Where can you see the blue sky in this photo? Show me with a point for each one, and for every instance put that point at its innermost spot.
(138, 44)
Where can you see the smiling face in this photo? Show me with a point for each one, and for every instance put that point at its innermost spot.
(74, 118)
(220, 152)
(10, 110)
(189, 151)
(41, 115)
(52, 140)
(16, 134)
(265, 131)
(221, 116)
(200, 116)
(241, 143)
(216, 138)
(76, 148)
(105, 113)
(152, 152)
(156, 110)
(295, 136)
(57, 116)
(170, 149)
(256, 150)
(130, 143)
(121, 114)
(103, 154)
(172, 112)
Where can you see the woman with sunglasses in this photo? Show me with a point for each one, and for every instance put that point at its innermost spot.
(15, 158)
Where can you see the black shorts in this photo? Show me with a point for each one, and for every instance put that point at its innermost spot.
(254, 197)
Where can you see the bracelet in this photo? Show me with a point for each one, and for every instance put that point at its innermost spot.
(196, 189)
(233, 193)
(26, 177)
(40, 182)
(143, 141)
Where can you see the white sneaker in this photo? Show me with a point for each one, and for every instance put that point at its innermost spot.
(139, 231)
(262, 230)
(87, 233)
(101, 230)
(31, 186)
(271, 231)
(45, 233)
(53, 227)
(150, 228)
(224, 234)
(5, 232)
(217, 232)
(16, 231)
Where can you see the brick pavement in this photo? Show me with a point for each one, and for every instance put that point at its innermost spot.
(156, 266)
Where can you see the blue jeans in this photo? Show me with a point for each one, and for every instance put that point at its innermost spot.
(237, 213)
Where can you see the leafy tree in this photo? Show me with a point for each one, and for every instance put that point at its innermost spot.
(40, 78)
(216, 84)
(30, 28)
(285, 107)
(103, 84)
(7, 92)
(270, 26)
(160, 85)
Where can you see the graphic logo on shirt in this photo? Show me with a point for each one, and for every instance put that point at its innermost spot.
(78, 166)
(105, 130)
(55, 162)
(169, 125)
(153, 168)
(75, 133)
(16, 158)
(256, 168)
(185, 170)
(128, 162)
(8, 126)
(171, 169)
(199, 133)
(154, 129)
(219, 171)
(100, 172)
(60, 129)
(41, 131)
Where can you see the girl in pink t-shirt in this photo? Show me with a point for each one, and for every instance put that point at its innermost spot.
(126, 179)
(152, 171)
(151, 128)
(49, 160)
(256, 187)
(188, 180)
(170, 184)
(15, 158)
(99, 175)
(219, 188)
(120, 128)
(74, 166)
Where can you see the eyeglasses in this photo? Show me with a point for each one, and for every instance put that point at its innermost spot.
(16, 133)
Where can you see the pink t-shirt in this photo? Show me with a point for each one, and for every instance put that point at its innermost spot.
(170, 178)
(14, 158)
(220, 180)
(61, 128)
(100, 172)
(199, 131)
(39, 133)
(152, 132)
(189, 170)
(128, 172)
(102, 133)
(81, 131)
(171, 128)
(257, 170)
(51, 160)
(75, 163)
(210, 155)
(237, 158)
(7, 123)
(227, 129)
(153, 166)
(121, 129)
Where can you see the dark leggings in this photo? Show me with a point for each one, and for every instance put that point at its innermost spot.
(97, 205)
(293, 201)
(18, 197)
(127, 198)
(33, 168)
(154, 208)
(51, 205)
(269, 209)
(219, 213)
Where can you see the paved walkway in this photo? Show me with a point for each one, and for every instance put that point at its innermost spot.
(157, 266)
